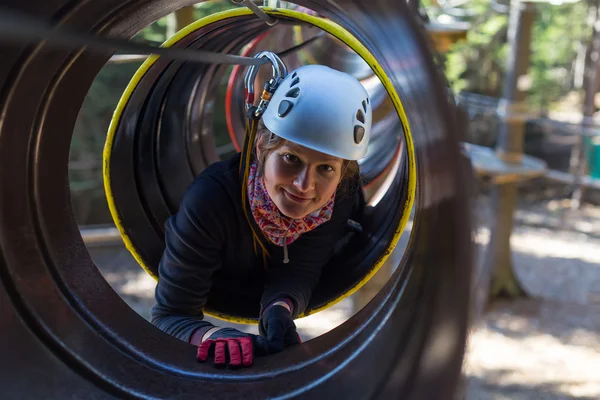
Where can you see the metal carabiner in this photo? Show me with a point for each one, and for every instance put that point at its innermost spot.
(279, 73)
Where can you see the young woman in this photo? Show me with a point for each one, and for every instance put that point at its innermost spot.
(276, 222)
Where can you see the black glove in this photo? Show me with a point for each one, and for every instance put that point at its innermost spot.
(233, 347)
(277, 326)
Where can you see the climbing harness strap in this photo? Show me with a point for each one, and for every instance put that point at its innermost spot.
(253, 115)
(246, 158)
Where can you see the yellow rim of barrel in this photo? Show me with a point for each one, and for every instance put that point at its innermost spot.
(333, 29)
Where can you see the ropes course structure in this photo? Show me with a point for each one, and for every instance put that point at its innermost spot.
(62, 322)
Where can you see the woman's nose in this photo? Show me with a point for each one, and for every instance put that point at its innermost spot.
(304, 180)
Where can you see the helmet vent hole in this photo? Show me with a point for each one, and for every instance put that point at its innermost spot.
(367, 100)
(364, 103)
(293, 93)
(360, 116)
(294, 75)
(284, 108)
(295, 82)
(359, 133)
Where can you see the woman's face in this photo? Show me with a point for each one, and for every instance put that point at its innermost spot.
(300, 180)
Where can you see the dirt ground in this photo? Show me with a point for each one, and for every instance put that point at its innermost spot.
(546, 346)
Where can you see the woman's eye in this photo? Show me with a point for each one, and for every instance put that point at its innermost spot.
(327, 168)
(290, 158)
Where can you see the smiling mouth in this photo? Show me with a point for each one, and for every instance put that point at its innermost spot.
(296, 198)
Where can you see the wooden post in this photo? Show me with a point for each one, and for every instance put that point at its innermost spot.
(498, 257)
(577, 163)
(184, 17)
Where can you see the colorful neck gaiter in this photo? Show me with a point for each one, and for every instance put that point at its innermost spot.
(281, 230)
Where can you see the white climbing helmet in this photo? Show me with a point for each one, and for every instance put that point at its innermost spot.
(323, 109)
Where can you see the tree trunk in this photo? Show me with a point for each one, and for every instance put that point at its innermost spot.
(577, 162)
(184, 17)
(498, 257)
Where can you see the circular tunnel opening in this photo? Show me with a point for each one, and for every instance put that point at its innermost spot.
(166, 131)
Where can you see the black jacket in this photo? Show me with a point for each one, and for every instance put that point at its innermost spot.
(210, 235)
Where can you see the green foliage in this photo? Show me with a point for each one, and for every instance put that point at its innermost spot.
(554, 48)
(478, 64)
(92, 123)
(165, 27)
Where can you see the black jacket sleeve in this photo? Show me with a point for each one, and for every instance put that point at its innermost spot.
(297, 279)
(194, 239)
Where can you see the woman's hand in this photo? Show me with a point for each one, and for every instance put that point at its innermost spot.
(230, 346)
(277, 326)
